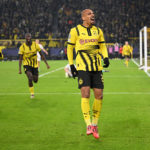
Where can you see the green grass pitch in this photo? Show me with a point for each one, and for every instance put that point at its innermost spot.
(53, 120)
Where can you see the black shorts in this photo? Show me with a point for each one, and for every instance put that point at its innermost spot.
(94, 79)
(127, 56)
(34, 71)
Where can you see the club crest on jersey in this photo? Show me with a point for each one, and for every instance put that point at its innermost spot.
(84, 41)
(94, 33)
(80, 81)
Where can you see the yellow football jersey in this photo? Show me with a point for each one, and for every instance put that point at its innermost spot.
(29, 54)
(89, 45)
(127, 50)
(1, 54)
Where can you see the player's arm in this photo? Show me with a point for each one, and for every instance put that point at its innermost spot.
(42, 48)
(131, 51)
(44, 59)
(21, 52)
(103, 49)
(20, 63)
(70, 46)
(123, 50)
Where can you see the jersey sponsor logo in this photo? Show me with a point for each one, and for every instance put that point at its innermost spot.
(84, 41)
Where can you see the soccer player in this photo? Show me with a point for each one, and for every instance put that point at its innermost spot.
(38, 54)
(127, 52)
(90, 47)
(1, 54)
(28, 53)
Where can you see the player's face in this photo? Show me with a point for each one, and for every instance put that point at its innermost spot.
(28, 38)
(89, 17)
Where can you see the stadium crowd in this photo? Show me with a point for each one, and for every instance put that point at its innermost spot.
(119, 19)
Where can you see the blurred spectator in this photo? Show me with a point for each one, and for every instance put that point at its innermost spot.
(119, 19)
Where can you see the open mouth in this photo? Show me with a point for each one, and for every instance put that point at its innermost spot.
(92, 19)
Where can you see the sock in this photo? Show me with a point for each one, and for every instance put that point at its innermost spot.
(127, 63)
(85, 106)
(97, 105)
(31, 90)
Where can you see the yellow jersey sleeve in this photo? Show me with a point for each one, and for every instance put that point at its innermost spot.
(21, 50)
(38, 47)
(102, 44)
(71, 44)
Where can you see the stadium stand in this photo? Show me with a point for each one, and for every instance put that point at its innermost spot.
(50, 19)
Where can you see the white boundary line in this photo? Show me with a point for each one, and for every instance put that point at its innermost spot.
(135, 62)
(139, 65)
(63, 93)
(50, 72)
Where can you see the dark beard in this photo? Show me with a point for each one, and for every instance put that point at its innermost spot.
(29, 43)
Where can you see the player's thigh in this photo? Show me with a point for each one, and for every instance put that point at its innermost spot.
(97, 80)
(84, 79)
(28, 72)
(35, 74)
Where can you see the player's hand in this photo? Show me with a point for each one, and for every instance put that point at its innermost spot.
(106, 62)
(46, 52)
(73, 71)
(20, 72)
(48, 66)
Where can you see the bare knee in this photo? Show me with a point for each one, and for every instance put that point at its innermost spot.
(99, 97)
(35, 79)
(98, 93)
(85, 92)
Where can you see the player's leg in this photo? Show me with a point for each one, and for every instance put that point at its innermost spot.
(97, 106)
(85, 107)
(84, 85)
(35, 73)
(30, 83)
(97, 84)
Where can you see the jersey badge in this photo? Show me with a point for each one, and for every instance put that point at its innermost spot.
(80, 81)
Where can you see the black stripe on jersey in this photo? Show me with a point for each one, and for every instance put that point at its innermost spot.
(91, 62)
(87, 69)
(33, 62)
(102, 42)
(77, 31)
(36, 61)
(28, 61)
(98, 30)
(70, 43)
(100, 54)
(96, 63)
(89, 32)
(99, 62)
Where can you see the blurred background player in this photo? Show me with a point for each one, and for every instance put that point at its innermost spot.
(38, 54)
(28, 53)
(68, 73)
(1, 54)
(89, 43)
(127, 52)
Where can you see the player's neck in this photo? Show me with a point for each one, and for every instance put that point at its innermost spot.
(29, 43)
(87, 25)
